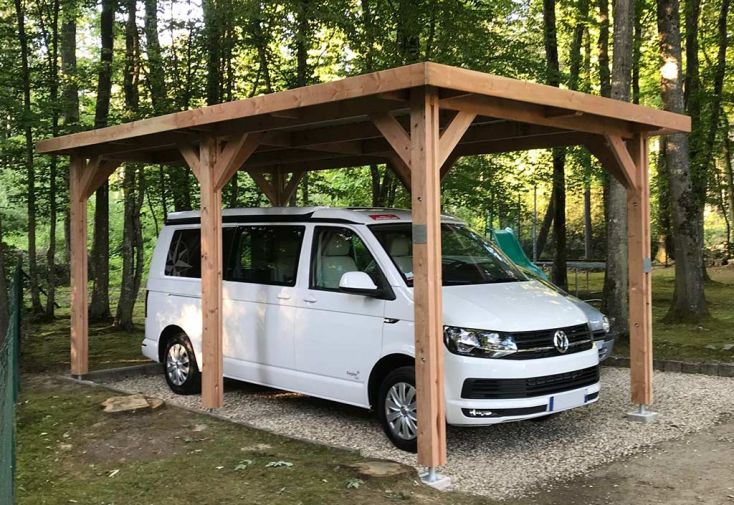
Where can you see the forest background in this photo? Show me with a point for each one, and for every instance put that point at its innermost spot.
(72, 65)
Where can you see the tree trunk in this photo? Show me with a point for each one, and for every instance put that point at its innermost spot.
(260, 41)
(704, 160)
(559, 270)
(545, 226)
(99, 306)
(692, 84)
(131, 218)
(615, 280)
(156, 75)
(29, 163)
(689, 303)
(639, 7)
(4, 303)
(605, 80)
(212, 32)
(69, 96)
(729, 176)
(665, 250)
(52, 48)
(408, 32)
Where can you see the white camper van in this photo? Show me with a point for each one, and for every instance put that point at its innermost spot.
(320, 301)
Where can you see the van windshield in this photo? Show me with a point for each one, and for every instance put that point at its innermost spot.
(466, 257)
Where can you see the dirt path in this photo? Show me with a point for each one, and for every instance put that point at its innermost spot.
(696, 470)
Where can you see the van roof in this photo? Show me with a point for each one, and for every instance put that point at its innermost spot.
(358, 215)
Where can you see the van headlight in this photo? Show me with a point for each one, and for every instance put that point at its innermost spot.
(478, 343)
(605, 324)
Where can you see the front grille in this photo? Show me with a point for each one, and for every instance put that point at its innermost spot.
(539, 344)
(497, 389)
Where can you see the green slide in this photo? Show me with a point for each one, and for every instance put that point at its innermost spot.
(509, 244)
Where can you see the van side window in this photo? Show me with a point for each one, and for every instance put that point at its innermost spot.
(184, 253)
(267, 255)
(337, 251)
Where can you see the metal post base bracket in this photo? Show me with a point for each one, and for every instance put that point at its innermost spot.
(642, 415)
(436, 480)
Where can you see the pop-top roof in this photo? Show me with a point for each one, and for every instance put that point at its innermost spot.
(357, 215)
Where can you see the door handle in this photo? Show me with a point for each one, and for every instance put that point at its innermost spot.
(309, 299)
(284, 296)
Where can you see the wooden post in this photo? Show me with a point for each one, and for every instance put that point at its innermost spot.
(78, 267)
(214, 168)
(640, 266)
(212, 394)
(427, 283)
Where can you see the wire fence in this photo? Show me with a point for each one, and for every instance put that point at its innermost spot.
(9, 388)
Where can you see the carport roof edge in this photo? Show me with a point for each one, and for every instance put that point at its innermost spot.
(455, 84)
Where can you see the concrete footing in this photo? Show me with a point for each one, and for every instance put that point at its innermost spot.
(435, 480)
(642, 415)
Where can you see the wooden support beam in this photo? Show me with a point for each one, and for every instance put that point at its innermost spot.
(621, 155)
(453, 133)
(394, 133)
(292, 184)
(640, 280)
(78, 266)
(233, 156)
(212, 384)
(536, 114)
(598, 146)
(427, 284)
(265, 186)
(213, 165)
(190, 155)
(400, 169)
(98, 175)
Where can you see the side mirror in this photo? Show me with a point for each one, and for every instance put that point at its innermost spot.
(358, 283)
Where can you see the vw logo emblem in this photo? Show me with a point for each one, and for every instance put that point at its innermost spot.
(560, 341)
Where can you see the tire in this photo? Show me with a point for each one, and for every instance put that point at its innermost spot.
(179, 366)
(396, 408)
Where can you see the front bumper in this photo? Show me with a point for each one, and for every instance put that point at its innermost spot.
(605, 346)
(465, 411)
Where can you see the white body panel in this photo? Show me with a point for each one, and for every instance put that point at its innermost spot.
(325, 343)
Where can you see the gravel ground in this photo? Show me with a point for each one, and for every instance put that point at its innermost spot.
(501, 461)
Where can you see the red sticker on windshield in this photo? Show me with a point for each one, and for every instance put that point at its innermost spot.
(384, 217)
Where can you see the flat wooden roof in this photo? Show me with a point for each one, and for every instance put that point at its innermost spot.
(331, 125)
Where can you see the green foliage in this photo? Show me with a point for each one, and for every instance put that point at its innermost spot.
(256, 51)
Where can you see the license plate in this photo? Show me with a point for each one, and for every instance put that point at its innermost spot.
(568, 400)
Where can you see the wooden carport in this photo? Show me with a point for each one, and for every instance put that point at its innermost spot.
(418, 119)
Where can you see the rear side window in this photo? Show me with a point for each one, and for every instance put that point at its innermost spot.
(184, 253)
(266, 255)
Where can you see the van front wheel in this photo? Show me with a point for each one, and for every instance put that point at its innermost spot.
(397, 408)
(182, 374)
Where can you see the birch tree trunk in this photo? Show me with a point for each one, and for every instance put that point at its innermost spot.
(689, 303)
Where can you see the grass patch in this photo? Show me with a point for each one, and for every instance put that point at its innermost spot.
(45, 345)
(69, 451)
(687, 342)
